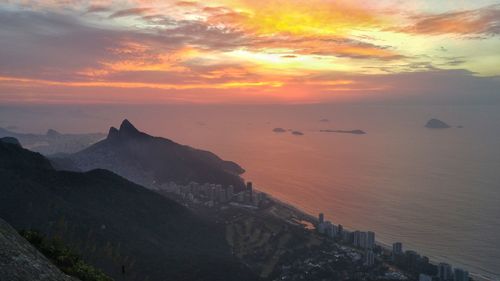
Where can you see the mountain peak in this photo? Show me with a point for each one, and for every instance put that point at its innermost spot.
(127, 127)
(113, 133)
(127, 130)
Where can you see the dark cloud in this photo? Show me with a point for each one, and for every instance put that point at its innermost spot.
(46, 45)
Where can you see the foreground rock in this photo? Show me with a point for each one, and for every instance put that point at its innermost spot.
(20, 261)
(436, 124)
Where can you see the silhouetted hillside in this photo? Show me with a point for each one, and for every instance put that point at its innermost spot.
(112, 222)
(149, 160)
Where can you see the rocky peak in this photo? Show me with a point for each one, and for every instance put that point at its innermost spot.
(127, 130)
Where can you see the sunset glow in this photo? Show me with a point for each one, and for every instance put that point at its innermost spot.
(242, 51)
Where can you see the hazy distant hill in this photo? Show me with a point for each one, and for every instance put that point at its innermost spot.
(112, 222)
(145, 159)
(54, 142)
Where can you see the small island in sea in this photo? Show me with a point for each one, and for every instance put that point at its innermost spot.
(297, 133)
(354, 132)
(436, 124)
(279, 130)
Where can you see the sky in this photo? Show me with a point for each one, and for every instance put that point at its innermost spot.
(249, 51)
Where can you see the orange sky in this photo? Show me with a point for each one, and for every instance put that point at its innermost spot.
(242, 51)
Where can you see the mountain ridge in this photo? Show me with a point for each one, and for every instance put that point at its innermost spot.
(150, 160)
(113, 222)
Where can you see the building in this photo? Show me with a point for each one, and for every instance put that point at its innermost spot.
(321, 218)
(356, 238)
(347, 236)
(444, 272)
(369, 258)
(230, 192)
(424, 277)
(460, 275)
(397, 248)
(370, 240)
(249, 191)
(327, 226)
(412, 260)
(321, 228)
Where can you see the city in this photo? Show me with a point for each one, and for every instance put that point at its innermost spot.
(358, 246)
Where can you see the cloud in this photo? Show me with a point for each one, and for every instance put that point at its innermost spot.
(97, 9)
(130, 12)
(47, 45)
(483, 21)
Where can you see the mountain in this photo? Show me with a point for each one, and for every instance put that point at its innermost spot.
(436, 124)
(53, 142)
(112, 222)
(150, 161)
(20, 261)
(10, 140)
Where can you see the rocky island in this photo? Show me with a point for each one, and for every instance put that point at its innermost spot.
(279, 130)
(436, 124)
(354, 132)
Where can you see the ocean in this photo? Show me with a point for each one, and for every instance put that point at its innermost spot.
(436, 191)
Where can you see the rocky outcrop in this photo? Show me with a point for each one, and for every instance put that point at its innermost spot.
(436, 124)
(20, 261)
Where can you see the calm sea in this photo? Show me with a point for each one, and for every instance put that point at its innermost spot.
(436, 191)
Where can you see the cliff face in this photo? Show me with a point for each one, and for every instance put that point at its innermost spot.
(20, 261)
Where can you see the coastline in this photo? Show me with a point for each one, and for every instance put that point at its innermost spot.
(314, 220)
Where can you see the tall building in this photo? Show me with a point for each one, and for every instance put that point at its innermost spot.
(412, 260)
(328, 228)
(356, 237)
(461, 275)
(397, 248)
(444, 271)
(360, 239)
(249, 192)
(321, 218)
(369, 258)
(230, 192)
(370, 240)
